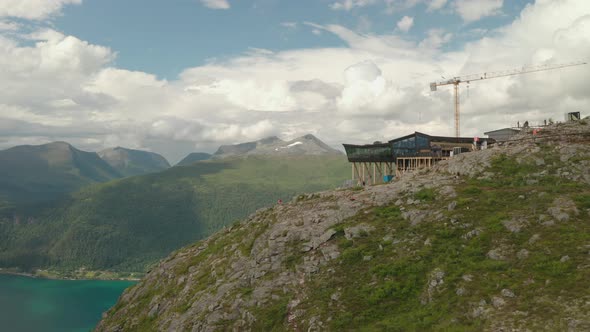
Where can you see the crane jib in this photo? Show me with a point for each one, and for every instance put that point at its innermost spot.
(478, 77)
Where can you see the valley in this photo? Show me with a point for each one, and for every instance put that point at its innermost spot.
(125, 225)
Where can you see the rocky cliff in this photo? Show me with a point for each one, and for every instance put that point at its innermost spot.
(495, 240)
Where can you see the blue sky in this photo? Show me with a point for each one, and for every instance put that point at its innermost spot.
(184, 76)
(166, 37)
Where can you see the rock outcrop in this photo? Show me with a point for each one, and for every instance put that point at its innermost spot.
(447, 247)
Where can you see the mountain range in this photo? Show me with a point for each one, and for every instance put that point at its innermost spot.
(35, 173)
(127, 224)
(274, 146)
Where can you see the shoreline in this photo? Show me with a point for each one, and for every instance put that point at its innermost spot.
(50, 275)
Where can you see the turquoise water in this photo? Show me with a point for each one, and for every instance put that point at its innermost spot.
(30, 304)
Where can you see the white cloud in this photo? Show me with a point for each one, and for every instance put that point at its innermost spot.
(290, 25)
(473, 10)
(406, 23)
(391, 6)
(436, 4)
(216, 4)
(373, 88)
(436, 38)
(9, 26)
(33, 9)
(365, 86)
(351, 4)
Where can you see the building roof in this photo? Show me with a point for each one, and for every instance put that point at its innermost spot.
(374, 145)
(436, 138)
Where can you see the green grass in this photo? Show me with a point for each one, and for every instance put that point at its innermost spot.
(388, 292)
(425, 194)
(271, 316)
(583, 201)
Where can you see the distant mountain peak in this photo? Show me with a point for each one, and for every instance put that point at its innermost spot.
(270, 140)
(130, 162)
(33, 173)
(59, 145)
(304, 145)
(192, 158)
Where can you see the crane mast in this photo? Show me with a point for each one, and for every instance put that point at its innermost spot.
(456, 81)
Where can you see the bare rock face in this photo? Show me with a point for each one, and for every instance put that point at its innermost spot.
(562, 208)
(435, 285)
(515, 225)
(357, 231)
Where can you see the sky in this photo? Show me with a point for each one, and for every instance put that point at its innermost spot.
(181, 76)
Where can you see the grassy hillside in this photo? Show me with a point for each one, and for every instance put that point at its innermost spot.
(496, 240)
(30, 174)
(127, 224)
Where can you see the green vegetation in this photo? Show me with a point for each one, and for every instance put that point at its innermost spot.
(498, 255)
(583, 201)
(33, 174)
(425, 194)
(390, 290)
(272, 316)
(128, 224)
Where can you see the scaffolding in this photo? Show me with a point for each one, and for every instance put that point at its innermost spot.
(372, 173)
(408, 164)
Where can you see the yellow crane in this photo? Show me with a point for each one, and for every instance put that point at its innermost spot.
(455, 81)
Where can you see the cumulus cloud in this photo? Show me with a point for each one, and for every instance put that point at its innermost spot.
(33, 9)
(406, 23)
(365, 85)
(373, 88)
(216, 4)
(473, 10)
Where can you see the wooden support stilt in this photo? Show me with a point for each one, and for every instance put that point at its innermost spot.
(363, 168)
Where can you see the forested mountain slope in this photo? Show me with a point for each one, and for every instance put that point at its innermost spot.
(33, 173)
(127, 224)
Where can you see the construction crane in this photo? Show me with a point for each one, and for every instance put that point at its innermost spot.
(455, 81)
